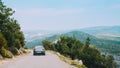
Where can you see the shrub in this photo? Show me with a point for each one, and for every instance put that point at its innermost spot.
(25, 51)
(77, 65)
(3, 42)
(26, 47)
(14, 51)
(1, 56)
(5, 53)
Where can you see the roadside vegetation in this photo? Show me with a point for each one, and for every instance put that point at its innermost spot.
(11, 36)
(75, 49)
(74, 63)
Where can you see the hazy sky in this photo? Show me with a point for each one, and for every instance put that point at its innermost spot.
(65, 14)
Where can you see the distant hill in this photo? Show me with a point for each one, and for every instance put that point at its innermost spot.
(103, 37)
(33, 43)
(106, 39)
(103, 44)
(104, 32)
(109, 38)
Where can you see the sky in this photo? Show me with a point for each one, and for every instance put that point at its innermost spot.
(65, 14)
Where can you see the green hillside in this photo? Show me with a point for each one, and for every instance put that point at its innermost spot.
(101, 30)
(33, 43)
(38, 41)
(103, 44)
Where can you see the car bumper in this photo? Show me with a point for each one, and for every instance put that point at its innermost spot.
(39, 52)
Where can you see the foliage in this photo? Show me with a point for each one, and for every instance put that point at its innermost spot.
(11, 36)
(1, 57)
(109, 63)
(77, 65)
(3, 42)
(17, 44)
(105, 45)
(87, 43)
(26, 47)
(48, 45)
(75, 49)
(14, 50)
(5, 53)
(25, 51)
(92, 58)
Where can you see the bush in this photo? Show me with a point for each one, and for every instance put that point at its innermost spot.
(26, 47)
(48, 45)
(26, 51)
(3, 42)
(14, 51)
(5, 53)
(1, 56)
(77, 65)
(75, 49)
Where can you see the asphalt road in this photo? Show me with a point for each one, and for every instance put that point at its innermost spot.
(50, 60)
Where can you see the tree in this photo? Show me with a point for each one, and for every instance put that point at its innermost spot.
(48, 45)
(3, 42)
(76, 49)
(92, 58)
(12, 37)
(69, 46)
(62, 45)
(65, 49)
(87, 43)
(17, 44)
(9, 27)
(110, 62)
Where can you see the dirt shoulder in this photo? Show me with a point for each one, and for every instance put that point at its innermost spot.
(4, 60)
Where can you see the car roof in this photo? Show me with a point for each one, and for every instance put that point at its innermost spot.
(39, 46)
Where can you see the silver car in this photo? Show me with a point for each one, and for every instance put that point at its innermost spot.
(39, 50)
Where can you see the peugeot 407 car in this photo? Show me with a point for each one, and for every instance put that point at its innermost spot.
(39, 50)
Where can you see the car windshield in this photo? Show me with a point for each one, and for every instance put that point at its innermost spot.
(39, 47)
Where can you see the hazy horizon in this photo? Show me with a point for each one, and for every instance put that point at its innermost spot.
(71, 29)
(64, 15)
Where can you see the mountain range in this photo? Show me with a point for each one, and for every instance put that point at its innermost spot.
(105, 38)
(105, 32)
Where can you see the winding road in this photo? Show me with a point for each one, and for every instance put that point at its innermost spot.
(50, 60)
